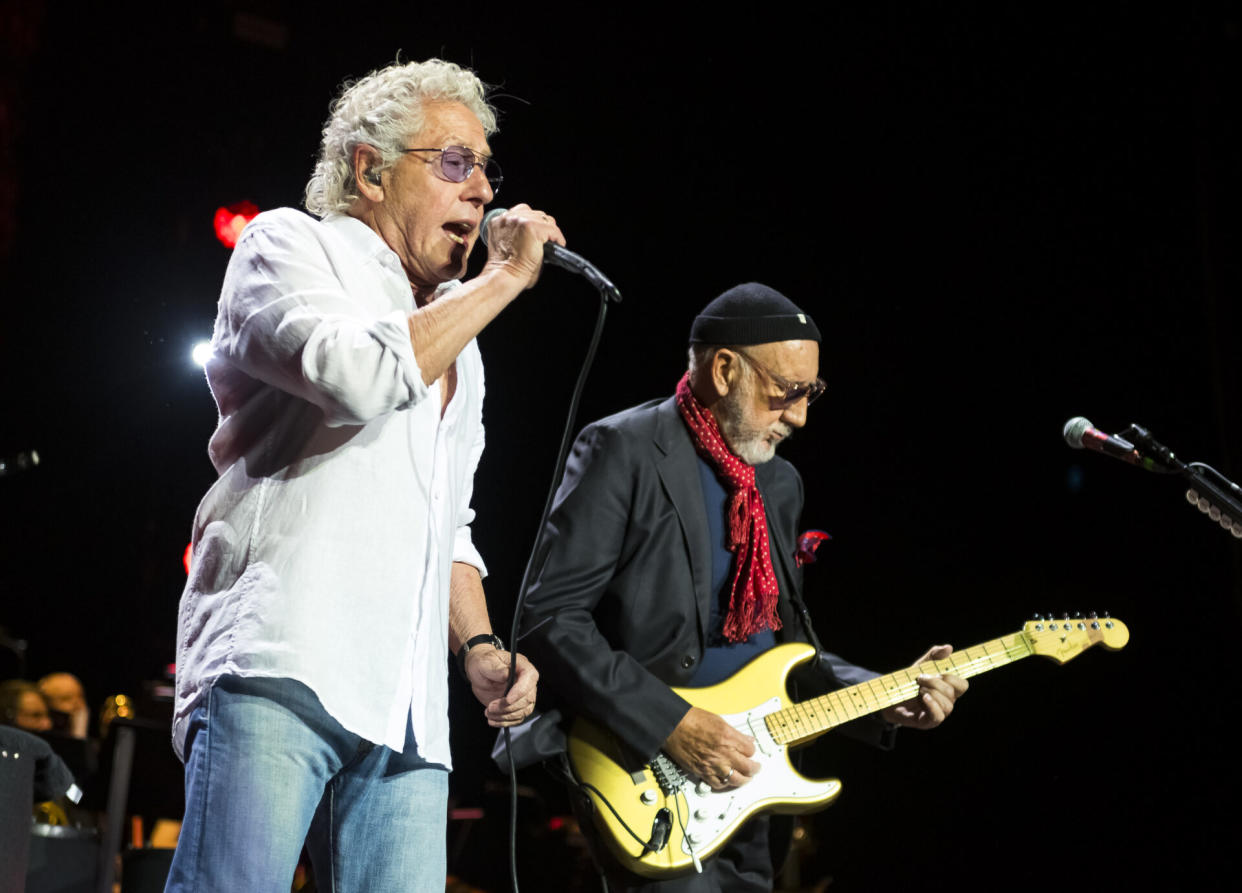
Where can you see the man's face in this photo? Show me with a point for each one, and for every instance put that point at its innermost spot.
(32, 713)
(749, 417)
(431, 223)
(63, 692)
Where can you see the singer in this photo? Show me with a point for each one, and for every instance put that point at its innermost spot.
(670, 560)
(333, 569)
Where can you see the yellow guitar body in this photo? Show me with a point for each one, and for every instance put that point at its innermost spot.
(699, 820)
(659, 822)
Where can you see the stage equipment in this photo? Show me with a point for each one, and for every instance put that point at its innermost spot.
(23, 461)
(1210, 491)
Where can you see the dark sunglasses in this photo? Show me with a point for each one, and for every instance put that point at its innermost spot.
(791, 391)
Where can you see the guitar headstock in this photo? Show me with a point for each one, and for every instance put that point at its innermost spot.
(1064, 638)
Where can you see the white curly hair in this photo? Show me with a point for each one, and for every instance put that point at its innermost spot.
(382, 110)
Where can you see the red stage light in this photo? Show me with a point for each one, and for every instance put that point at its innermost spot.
(232, 220)
(185, 557)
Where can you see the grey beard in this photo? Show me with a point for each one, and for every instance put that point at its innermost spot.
(748, 442)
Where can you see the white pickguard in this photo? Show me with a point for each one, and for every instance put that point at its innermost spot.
(709, 815)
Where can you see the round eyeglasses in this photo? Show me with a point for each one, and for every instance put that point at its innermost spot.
(456, 163)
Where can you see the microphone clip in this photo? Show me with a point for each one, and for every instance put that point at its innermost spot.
(1155, 456)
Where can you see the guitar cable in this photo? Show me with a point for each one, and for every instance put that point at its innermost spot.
(645, 844)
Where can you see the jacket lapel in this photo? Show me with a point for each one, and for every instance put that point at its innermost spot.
(679, 473)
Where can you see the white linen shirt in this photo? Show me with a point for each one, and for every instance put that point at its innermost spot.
(323, 552)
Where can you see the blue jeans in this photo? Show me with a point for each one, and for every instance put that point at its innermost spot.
(267, 769)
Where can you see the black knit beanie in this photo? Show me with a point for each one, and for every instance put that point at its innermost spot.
(752, 313)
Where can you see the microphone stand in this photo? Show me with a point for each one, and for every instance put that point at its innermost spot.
(1210, 491)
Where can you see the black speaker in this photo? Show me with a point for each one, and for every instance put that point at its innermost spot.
(62, 860)
(145, 871)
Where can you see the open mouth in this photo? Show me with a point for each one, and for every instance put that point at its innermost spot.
(458, 232)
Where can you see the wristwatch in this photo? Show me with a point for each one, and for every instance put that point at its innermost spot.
(473, 641)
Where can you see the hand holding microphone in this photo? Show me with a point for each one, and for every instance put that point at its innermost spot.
(518, 239)
(497, 234)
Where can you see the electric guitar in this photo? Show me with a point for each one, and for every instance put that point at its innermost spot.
(659, 820)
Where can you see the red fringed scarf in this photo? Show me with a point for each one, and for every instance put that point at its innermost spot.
(752, 599)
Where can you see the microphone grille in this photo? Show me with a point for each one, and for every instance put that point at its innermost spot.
(1074, 429)
(487, 219)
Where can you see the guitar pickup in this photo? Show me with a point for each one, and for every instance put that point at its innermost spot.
(758, 729)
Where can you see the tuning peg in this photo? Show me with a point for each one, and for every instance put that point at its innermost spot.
(1065, 615)
(1037, 616)
(1093, 615)
(1078, 615)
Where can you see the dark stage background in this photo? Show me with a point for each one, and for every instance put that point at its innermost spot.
(1000, 219)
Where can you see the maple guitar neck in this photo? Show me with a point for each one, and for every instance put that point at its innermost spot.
(808, 719)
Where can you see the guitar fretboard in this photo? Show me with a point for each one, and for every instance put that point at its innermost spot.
(818, 715)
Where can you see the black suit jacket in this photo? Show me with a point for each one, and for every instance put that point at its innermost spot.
(618, 607)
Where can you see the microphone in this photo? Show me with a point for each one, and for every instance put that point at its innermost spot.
(560, 256)
(1081, 434)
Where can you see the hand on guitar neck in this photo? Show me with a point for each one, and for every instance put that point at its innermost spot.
(710, 749)
(936, 696)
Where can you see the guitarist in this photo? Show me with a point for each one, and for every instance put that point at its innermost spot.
(669, 560)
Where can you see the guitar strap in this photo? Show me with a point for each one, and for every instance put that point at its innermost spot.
(804, 616)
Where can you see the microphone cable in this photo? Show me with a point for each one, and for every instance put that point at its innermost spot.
(561, 458)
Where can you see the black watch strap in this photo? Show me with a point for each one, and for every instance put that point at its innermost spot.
(474, 641)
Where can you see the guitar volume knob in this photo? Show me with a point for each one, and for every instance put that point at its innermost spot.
(648, 797)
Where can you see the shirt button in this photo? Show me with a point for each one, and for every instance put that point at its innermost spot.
(688, 661)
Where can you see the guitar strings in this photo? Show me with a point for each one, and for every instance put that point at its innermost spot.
(978, 661)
